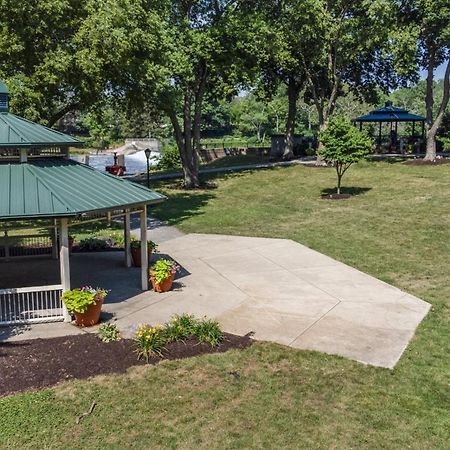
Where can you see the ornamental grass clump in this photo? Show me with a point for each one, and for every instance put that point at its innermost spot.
(79, 300)
(208, 331)
(149, 341)
(180, 327)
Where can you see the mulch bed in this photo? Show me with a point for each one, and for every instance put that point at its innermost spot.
(335, 196)
(422, 162)
(39, 363)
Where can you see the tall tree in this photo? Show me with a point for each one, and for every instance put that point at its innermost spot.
(287, 33)
(425, 40)
(204, 60)
(39, 61)
(352, 54)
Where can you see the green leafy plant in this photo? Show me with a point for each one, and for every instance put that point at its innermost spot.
(136, 243)
(344, 145)
(149, 341)
(78, 300)
(170, 158)
(92, 244)
(108, 332)
(162, 269)
(180, 327)
(117, 238)
(209, 331)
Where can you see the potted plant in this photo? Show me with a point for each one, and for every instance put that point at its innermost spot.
(162, 274)
(85, 304)
(136, 251)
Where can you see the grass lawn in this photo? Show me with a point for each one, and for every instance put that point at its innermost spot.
(396, 228)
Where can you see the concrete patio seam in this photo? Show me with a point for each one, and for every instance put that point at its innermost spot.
(318, 320)
(302, 279)
(225, 278)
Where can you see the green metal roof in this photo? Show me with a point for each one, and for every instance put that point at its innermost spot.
(18, 132)
(62, 188)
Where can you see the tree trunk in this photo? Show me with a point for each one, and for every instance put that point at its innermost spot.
(183, 138)
(432, 131)
(201, 87)
(339, 178)
(190, 168)
(323, 125)
(429, 101)
(288, 151)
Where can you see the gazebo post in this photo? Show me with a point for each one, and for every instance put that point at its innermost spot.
(423, 130)
(414, 128)
(144, 249)
(55, 240)
(64, 263)
(379, 135)
(127, 237)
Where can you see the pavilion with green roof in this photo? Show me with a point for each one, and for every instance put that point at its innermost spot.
(40, 184)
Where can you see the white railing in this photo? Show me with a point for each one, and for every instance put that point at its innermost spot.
(31, 305)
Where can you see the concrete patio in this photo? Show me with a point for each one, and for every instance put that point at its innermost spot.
(281, 290)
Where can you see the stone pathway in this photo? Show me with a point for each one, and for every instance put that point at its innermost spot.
(281, 290)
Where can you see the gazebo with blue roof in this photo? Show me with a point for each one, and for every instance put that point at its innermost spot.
(392, 115)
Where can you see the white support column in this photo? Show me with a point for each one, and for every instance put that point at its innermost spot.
(144, 250)
(23, 155)
(64, 263)
(127, 237)
(55, 240)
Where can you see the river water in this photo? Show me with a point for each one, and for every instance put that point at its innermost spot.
(135, 163)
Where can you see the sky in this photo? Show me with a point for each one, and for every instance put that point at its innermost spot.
(438, 74)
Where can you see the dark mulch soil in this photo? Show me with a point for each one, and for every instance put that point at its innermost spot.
(422, 162)
(40, 363)
(335, 196)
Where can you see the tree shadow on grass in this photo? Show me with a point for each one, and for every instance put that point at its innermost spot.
(386, 159)
(351, 190)
(182, 205)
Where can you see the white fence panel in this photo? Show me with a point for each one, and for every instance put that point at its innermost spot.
(35, 304)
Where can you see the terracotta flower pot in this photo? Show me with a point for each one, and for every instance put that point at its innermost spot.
(164, 286)
(91, 316)
(136, 256)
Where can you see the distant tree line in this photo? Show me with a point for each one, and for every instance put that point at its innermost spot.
(256, 66)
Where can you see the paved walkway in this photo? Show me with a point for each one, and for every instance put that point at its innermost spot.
(281, 290)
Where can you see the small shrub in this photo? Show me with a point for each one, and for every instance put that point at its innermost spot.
(208, 330)
(170, 158)
(149, 341)
(180, 327)
(92, 244)
(344, 145)
(117, 238)
(108, 332)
